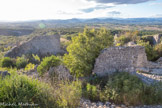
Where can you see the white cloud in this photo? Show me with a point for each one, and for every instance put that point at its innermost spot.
(157, 4)
(40, 9)
(121, 1)
(18, 10)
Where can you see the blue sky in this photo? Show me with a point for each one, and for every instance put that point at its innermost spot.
(22, 10)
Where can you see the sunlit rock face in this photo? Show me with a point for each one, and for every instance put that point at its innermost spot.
(40, 45)
(127, 58)
(156, 39)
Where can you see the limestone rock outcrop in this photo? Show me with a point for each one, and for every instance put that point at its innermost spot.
(40, 45)
(60, 73)
(131, 44)
(155, 39)
(120, 59)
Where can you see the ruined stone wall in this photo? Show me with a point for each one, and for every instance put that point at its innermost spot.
(157, 38)
(40, 45)
(120, 59)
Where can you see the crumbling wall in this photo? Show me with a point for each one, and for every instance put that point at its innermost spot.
(120, 59)
(155, 39)
(40, 45)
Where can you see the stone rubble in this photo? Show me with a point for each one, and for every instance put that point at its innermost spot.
(149, 78)
(61, 72)
(159, 61)
(84, 103)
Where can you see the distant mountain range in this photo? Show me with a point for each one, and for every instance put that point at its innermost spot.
(106, 20)
(76, 22)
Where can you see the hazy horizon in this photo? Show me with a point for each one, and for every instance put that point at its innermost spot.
(28, 10)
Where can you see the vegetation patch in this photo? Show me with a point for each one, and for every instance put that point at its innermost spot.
(123, 88)
(48, 62)
(84, 49)
(22, 89)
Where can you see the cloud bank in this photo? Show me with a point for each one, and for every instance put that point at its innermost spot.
(121, 1)
(114, 13)
(88, 10)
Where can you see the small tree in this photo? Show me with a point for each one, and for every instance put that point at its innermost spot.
(21, 62)
(158, 49)
(84, 49)
(7, 62)
(120, 41)
(47, 63)
(150, 51)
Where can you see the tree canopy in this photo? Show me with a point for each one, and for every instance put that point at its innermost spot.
(85, 48)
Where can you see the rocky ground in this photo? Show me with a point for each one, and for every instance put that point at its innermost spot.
(150, 77)
(88, 104)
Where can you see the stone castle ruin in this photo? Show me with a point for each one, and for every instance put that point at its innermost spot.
(130, 59)
(120, 59)
(155, 39)
(40, 45)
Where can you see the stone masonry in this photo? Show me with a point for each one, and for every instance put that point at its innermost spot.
(120, 59)
(40, 45)
(155, 39)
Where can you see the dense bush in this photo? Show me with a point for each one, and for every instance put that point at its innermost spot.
(47, 63)
(122, 88)
(147, 39)
(29, 67)
(21, 62)
(120, 41)
(21, 89)
(128, 89)
(84, 49)
(150, 51)
(68, 94)
(34, 59)
(7, 62)
(127, 37)
(91, 92)
(158, 49)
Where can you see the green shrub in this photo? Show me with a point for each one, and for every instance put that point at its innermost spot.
(69, 94)
(21, 62)
(147, 39)
(31, 58)
(29, 67)
(124, 88)
(47, 63)
(21, 89)
(127, 37)
(7, 62)
(91, 92)
(84, 49)
(158, 49)
(36, 58)
(150, 51)
(120, 41)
